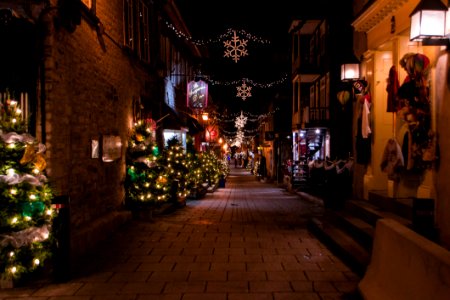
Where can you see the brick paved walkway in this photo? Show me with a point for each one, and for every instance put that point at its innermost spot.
(245, 241)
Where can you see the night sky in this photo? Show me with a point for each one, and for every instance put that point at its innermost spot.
(266, 63)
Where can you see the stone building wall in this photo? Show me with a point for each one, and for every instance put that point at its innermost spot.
(88, 94)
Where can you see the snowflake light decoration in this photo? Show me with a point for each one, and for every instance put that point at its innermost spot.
(240, 121)
(244, 91)
(238, 139)
(235, 48)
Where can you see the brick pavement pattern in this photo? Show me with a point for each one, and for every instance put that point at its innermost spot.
(245, 241)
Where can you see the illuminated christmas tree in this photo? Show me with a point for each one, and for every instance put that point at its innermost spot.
(175, 159)
(25, 208)
(196, 175)
(211, 167)
(147, 182)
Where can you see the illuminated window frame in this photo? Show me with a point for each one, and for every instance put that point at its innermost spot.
(136, 28)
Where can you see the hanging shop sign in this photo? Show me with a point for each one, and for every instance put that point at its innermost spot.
(359, 86)
(211, 133)
(197, 95)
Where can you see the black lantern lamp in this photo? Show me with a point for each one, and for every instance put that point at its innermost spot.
(428, 23)
(350, 69)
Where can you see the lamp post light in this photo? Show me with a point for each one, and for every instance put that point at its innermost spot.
(205, 119)
(350, 69)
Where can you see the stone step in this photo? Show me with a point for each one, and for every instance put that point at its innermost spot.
(399, 206)
(349, 232)
(341, 243)
(370, 213)
(360, 230)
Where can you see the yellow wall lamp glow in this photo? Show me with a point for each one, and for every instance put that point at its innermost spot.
(430, 23)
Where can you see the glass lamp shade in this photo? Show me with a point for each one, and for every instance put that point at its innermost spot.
(428, 20)
(350, 71)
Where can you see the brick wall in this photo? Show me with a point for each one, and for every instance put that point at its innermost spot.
(89, 92)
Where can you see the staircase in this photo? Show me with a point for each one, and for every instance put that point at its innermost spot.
(349, 231)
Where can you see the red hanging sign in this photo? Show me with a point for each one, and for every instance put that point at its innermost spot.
(211, 133)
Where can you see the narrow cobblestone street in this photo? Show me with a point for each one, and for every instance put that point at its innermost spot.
(245, 241)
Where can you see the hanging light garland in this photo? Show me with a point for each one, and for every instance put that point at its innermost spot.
(249, 116)
(246, 131)
(249, 81)
(235, 42)
(237, 137)
(218, 39)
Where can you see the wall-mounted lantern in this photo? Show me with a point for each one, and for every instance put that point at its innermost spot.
(428, 23)
(350, 69)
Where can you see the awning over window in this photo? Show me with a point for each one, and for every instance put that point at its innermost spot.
(193, 125)
(170, 119)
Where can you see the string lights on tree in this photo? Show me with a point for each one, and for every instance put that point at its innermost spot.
(147, 181)
(26, 211)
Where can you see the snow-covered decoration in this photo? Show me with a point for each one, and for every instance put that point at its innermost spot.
(25, 237)
(244, 91)
(240, 121)
(13, 178)
(235, 48)
(12, 137)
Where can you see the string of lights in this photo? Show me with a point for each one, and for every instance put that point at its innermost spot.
(254, 83)
(219, 39)
(250, 81)
(223, 39)
(250, 117)
(233, 137)
(247, 131)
